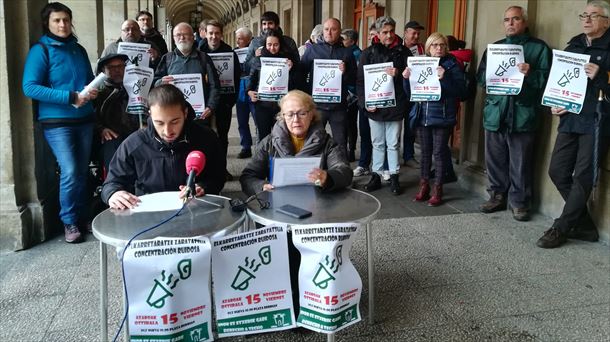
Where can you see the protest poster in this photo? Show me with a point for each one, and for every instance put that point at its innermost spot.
(137, 82)
(326, 81)
(168, 289)
(137, 53)
(252, 292)
(378, 86)
(191, 86)
(223, 62)
(241, 54)
(329, 285)
(273, 82)
(424, 82)
(567, 84)
(502, 76)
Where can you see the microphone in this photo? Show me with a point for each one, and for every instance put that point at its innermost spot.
(195, 162)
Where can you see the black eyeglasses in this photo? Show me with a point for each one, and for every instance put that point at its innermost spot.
(594, 16)
(239, 205)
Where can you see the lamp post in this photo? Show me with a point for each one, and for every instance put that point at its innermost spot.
(197, 15)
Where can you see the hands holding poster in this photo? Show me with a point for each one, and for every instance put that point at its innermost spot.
(223, 62)
(137, 53)
(137, 82)
(326, 81)
(424, 82)
(329, 285)
(191, 86)
(567, 84)
(273, 84)
(378, 86)
(252, 282)
(502, 76)
(168, 287)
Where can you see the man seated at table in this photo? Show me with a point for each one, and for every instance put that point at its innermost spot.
(298, 132)
(153, 160)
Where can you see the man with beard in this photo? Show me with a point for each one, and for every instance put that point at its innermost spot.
(270, 21)
(130, 33)
(145, 21)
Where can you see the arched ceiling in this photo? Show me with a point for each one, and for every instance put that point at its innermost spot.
(179, 10)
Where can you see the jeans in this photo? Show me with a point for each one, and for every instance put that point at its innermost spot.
(243, 117)
(71, 146)
(385, 136)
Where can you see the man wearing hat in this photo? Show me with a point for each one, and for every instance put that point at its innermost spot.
(411, 38)
(113, 123)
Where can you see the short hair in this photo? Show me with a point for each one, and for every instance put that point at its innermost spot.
(183, 24)
(452, 43)
(351, 34)
(305, 99)
(270, 16)
(144, 12)
(166, 95)
(214, 23)
(50, 8)
(203, 24)
(244, 30)
(317, 31)
(434, 37)
(602, 5)
(373, 27)
(383, 21)
(523, 11)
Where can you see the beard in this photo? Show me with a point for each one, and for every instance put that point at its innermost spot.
(130, 39)
(184, 46)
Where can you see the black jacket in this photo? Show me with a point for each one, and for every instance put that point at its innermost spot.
(111, 110)
(584, 122)
(228, 99)
(379, 53)
(156, 38)
(145, 164)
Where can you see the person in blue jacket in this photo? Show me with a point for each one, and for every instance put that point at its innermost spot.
(56, 69)
(434, 120)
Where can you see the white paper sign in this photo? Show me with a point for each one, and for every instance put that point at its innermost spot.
(273, 83)
(168, 286)
(159, 201)
(326, 81)
(292, 171)
(223, 62)
(137, 53)
(502, 76)
(252, 292)
(241, 54)
(191, 86)
(329, 285)
(137, 82)
(378, 86)
(567, 84)
(424, 82)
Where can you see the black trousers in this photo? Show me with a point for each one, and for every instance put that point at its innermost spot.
(571, 170)
(223, 124)
(352, 126)
(338, 126)
(265, 118)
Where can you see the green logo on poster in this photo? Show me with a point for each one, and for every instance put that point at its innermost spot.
(162, 288)
(324, 274)
(245, 273)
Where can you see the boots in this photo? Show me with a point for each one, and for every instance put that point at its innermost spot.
(374, 183)
(394, 184)
(437, 196)
(424, 191)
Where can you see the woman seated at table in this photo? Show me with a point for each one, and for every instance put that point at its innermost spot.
(298, 133)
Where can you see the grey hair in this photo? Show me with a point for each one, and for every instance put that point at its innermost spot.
(523, 11)
(317, 31)
(600, 4)
(351, 34)
(382, 21)
(244, 30)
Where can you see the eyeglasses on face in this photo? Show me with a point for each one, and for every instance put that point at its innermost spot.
(438, 45)
(130, 29)
(182, 35)
(594, 16)
(291, 116)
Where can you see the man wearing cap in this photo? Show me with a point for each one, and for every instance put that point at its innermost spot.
(411, 38)
(113, 123)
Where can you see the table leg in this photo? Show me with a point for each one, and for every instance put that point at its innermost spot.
(330, 337)
(125, 309)
(371, 261)
(103, 292)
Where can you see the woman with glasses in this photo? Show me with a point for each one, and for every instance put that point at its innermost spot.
(434, 120)
(298, 132)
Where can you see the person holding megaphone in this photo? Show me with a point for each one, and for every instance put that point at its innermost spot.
(156, 159)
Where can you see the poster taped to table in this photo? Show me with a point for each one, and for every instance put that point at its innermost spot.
(168, 287)
(326, 84)
(424, 82)
(273, 82)
(378, 86)
(252, 292)
(137, 82)
(502, 76)
(191, 86)
(137, 53)
(223, 62)
(567, 84)
(329, 285)
(241, 54)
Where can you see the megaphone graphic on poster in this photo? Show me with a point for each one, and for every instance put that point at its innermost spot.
(322, 277)
(157, 295)
(242, 279)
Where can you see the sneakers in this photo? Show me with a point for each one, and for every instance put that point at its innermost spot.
(552, 238)
(373, 184)
(521, 214)
(386, 175)
(245, 153)
(361, 171)
(394, 184)
(412, 163)
(72, 234)
(496, 202)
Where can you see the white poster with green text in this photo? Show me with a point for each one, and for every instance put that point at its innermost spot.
(329, 285)
(223, 62)
(502, 75)
(326, 85)
(168, 289)
(273, 82)
(378, 86)
(567, 84)
(252, 291)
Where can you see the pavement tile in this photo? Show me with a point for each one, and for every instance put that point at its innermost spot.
(28, 315)
(42, 282)
(408, 309)
(392, 276)
(446, 333)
